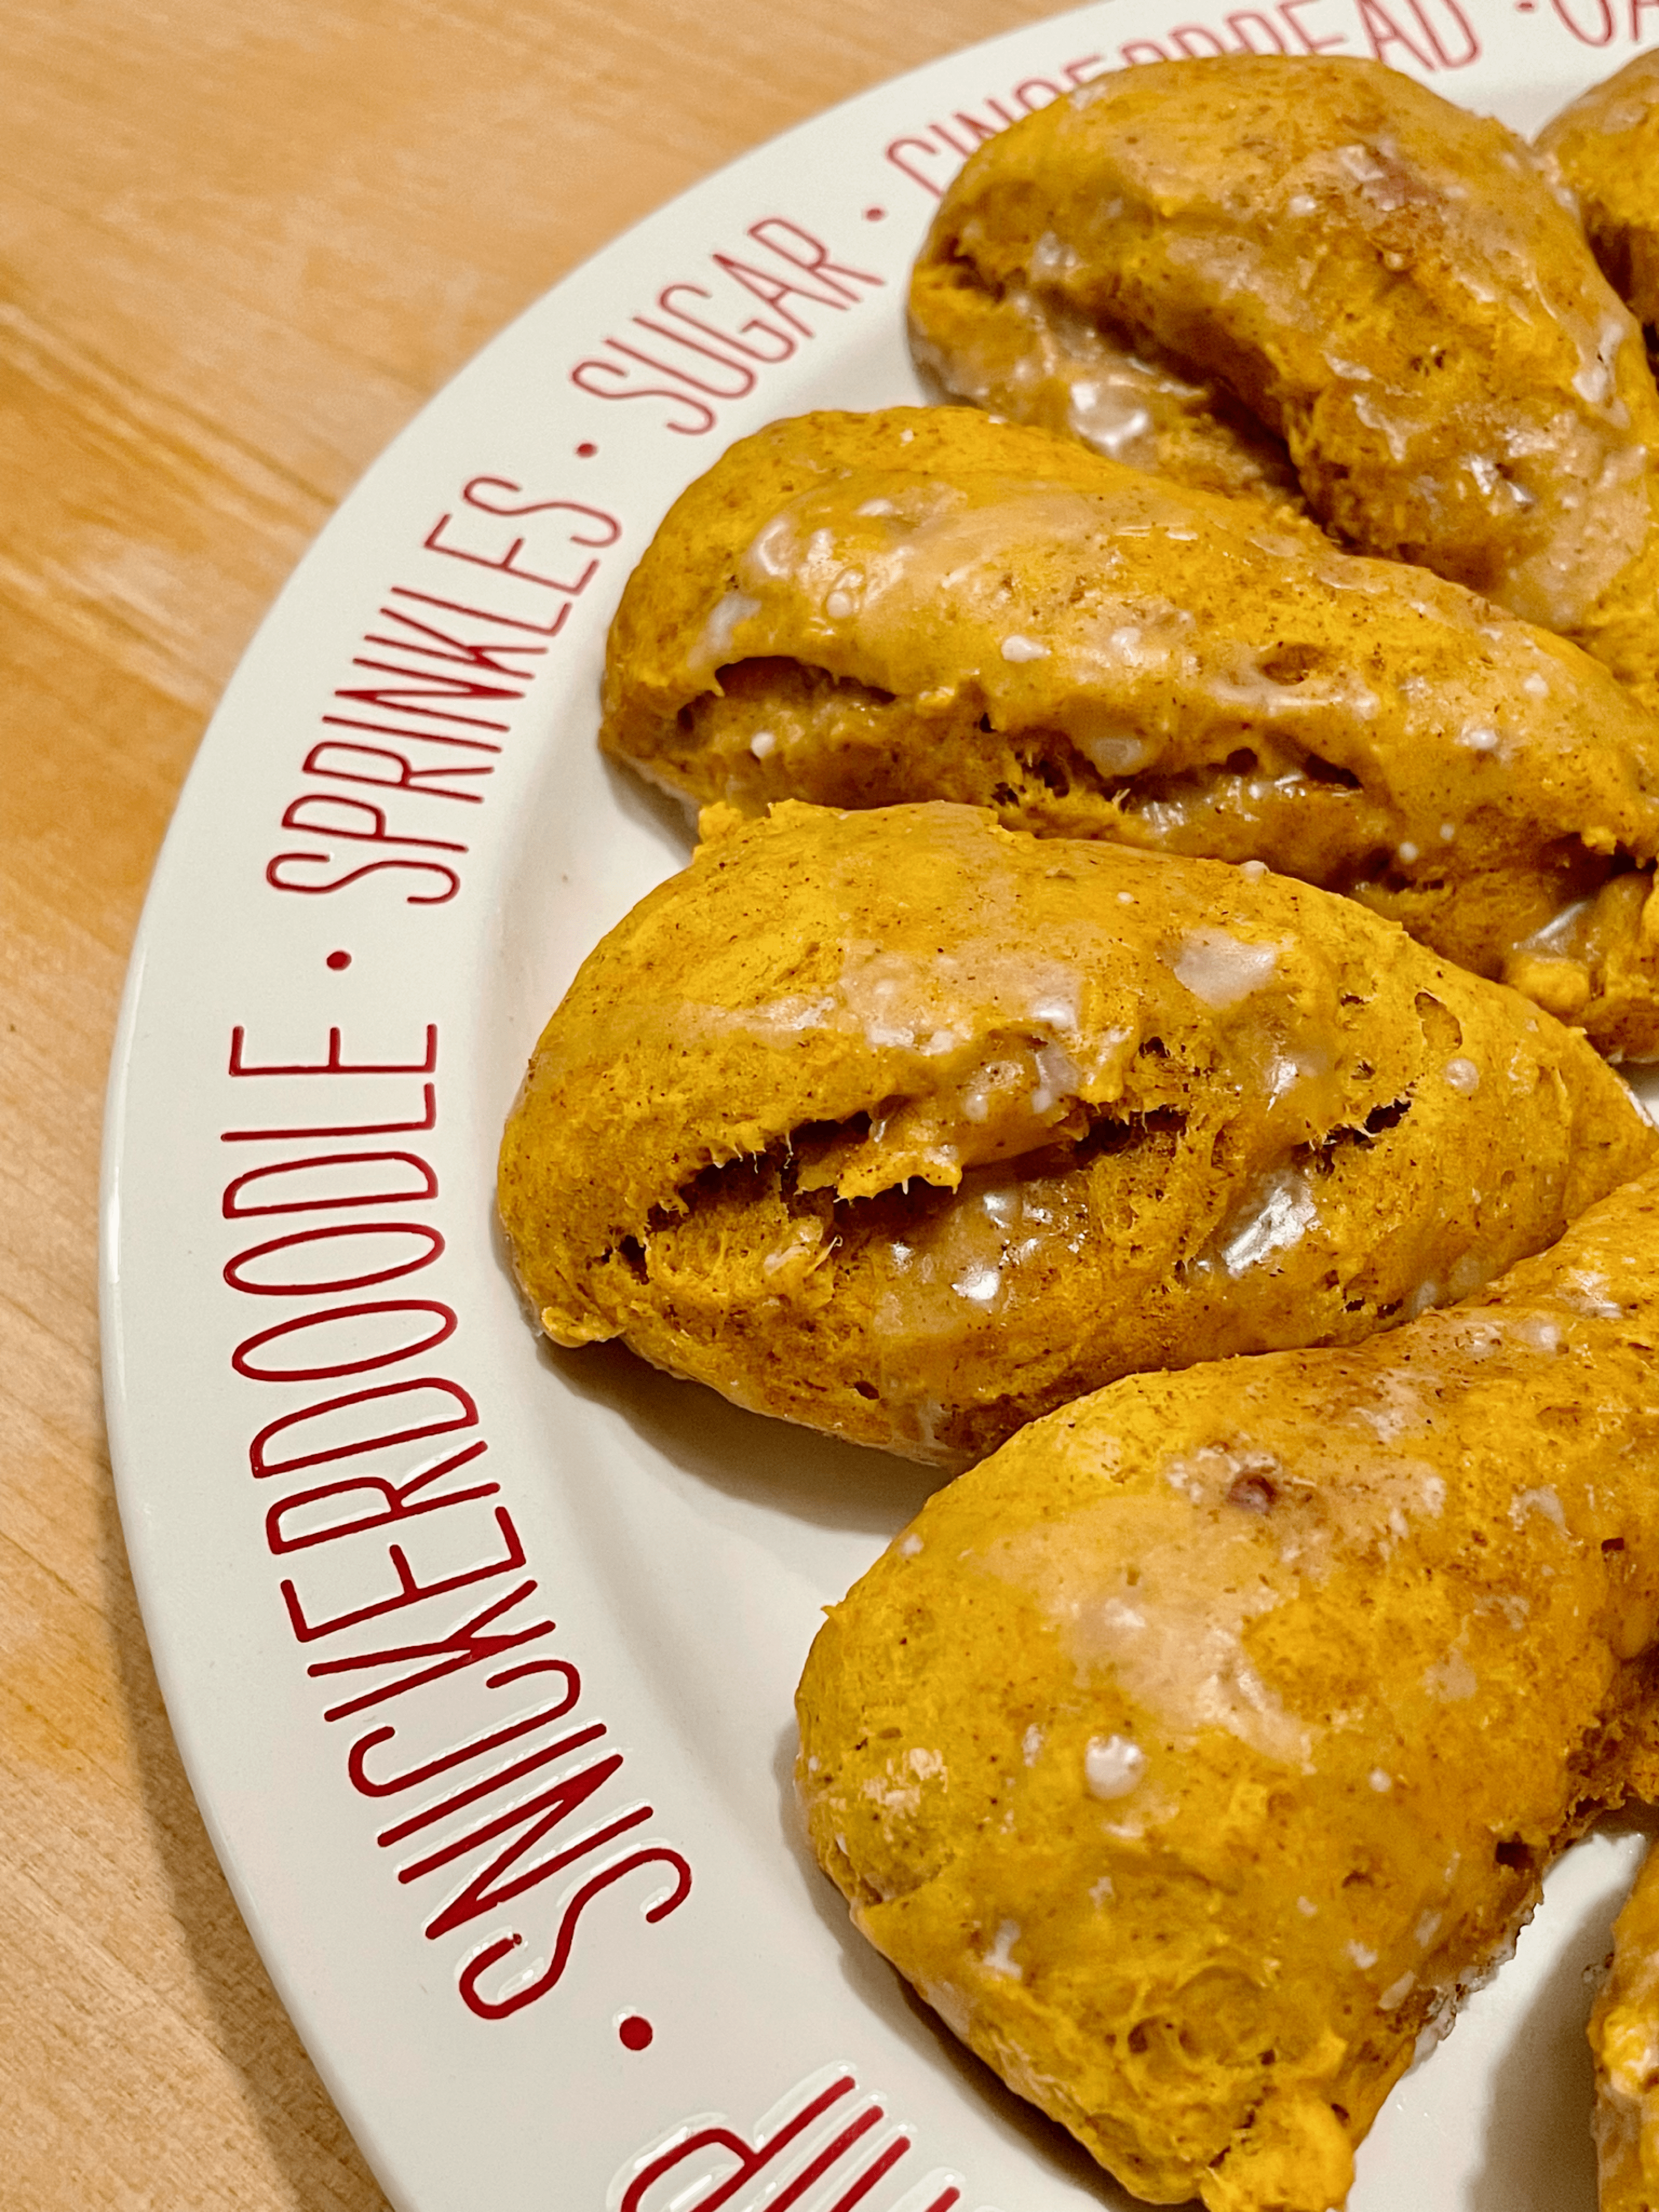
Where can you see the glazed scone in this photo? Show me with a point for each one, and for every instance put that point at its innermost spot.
(1624, 2036)
(1605, 148)
(909, 1127)
(1384, 281)
(1195, 1753)
(926, 604)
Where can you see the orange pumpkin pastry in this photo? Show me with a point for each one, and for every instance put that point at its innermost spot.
(1624, 2036)
(1385, 283)
(924, 602)
(1605, 148)
(1193, 1754)
(910, 1127)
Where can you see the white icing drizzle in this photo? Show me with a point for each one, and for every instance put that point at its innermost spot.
(1280, 1212)
(714, 648)
(1000, 1959)
(1543, 1501)
(1451, 1680)
(1114, 753)
(1588, 1289)
(1221, 969)
(1113, 1767)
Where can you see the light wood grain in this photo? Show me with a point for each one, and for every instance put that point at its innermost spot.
(240, 242)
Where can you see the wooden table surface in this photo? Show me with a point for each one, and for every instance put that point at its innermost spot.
(243, 242)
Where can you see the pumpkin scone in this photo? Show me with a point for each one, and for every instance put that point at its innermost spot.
(910, 1127)
(1194, 1754)
(1605, 148)
(1624, 2037)
(924, 602)
(1384, 282)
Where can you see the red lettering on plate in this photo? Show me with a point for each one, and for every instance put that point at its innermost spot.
(536, 1818)
(767, 284)
(609, 529)
(740, 382)
(334, 1065)
(469, 1645)
(1195, 40)
(262, 1465)
(1268, 29)
(411, 1589)
(930, 155)
(719, 362)
(423, 737)
(436, 683)
(461, 1754)
(721, 2139)
(469, 653)
(475, 1967)
(276, 1173)
(502, 1778)
(427, 1120)
(507, 564)
(429, 1240)
(1290, 12)
(802, 251)
(393, 1503)
(742, 340)
(363, 1362)
(278, 876)
(1597, 32)
(429, 694)
(341, 1514)
(899, 148)
(1467, 44)
(484, 614)
(344, 763)
(1383, 28)
(767, 2172)
(694, 415)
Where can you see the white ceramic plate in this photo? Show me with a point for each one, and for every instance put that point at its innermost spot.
(539, 1905)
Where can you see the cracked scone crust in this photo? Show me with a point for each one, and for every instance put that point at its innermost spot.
(1022, 357)
(922, 603)
(909, 1127)
(1195, 1753)
(1382, 281)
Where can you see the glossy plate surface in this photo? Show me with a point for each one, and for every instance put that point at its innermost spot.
(481, 1657)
